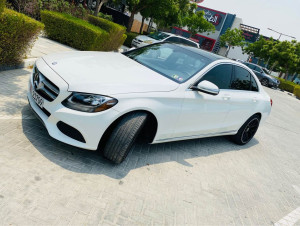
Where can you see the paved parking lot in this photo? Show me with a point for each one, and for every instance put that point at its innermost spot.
(199, 182)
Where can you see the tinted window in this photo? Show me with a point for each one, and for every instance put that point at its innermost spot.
(189, 43)
(266, 71)
(258, 69)
(250, 66)
(254, 86)
(241, 79)
(220, 76)
(174, 39)
(159, 35)
(172, 61)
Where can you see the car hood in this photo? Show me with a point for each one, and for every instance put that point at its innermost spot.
(145, 38)
(106, 73)
(270, 77)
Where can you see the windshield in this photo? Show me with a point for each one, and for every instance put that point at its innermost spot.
(158, 35)
(266, 71)
(172, 61)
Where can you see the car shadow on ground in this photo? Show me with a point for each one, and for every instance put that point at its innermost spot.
(142, 155)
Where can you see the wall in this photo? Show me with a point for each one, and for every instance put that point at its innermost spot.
(237, 53)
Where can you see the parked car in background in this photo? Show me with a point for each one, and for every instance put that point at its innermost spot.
(162, 92)
(263, 75)
(143, 40)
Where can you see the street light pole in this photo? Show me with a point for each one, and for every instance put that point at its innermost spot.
(280, 34)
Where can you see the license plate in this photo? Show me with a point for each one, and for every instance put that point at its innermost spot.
(37, 98)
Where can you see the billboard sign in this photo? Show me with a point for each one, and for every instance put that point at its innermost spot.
(217, 18)
(250, 34)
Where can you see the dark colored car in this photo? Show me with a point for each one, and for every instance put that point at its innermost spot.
(263, 75)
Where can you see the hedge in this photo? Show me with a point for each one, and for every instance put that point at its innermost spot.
(286, 85)
(297, 91)
(130, 37)
(290, 87)
(114, 30)
(73, 31)
(2, 5)
(17, 34)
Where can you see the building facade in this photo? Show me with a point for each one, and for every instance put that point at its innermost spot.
(210, 40)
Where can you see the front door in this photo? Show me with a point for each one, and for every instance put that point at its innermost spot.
(204, 114)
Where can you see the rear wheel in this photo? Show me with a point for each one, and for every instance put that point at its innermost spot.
(264, 82)
(123, 136)
(247, 131)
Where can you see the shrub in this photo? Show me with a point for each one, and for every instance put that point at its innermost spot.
(17, 34)
(286, 85)
(115, 31)
(2, 5)
(105, 16)
(74, 32)
(130, 37)
(297, 91)
(65, 7)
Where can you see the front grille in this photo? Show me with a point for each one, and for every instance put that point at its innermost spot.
(44, 86)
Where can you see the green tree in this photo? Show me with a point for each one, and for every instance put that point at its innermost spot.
(285, 55)
(170, 13)
(232, 38)
(196, 23)
(261, 49)
(98, 6)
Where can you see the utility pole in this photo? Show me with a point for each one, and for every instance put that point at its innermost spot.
(280, 34)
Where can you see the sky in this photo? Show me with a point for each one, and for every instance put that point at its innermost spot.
(279, 15)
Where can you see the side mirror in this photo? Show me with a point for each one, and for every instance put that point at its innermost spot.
(207, 87)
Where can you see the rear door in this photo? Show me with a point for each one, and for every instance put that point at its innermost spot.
(243, 97)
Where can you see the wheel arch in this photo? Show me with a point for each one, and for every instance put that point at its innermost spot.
(258, 114)
(148, 132)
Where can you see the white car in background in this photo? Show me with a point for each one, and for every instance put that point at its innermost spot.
(160, 93)
(143, 40)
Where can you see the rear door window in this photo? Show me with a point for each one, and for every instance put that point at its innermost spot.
(241, 79)
(254, 86)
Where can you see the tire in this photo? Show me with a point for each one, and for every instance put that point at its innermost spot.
(123, 136)
(241, 138)
(265, 82)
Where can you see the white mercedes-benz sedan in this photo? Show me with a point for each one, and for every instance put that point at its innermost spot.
(159, 93)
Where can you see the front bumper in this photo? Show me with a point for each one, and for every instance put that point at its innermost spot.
(138, 44)
(90, 125)
(274, 84)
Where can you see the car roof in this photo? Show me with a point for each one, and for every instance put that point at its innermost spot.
(253, 64)
(206, 54)
(179, 36)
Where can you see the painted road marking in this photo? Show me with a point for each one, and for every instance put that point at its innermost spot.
(292, 217)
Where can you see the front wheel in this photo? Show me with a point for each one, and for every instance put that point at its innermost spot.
(247, 131)
(123, 136)
(265, 82)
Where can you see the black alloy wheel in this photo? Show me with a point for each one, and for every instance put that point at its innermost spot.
(250, 130)
(265, 82)
(247, 131)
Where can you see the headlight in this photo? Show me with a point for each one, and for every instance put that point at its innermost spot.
(148, 41)
(89, 102)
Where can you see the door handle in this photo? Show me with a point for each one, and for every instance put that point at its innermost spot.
(254, 99)
(226, 97)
